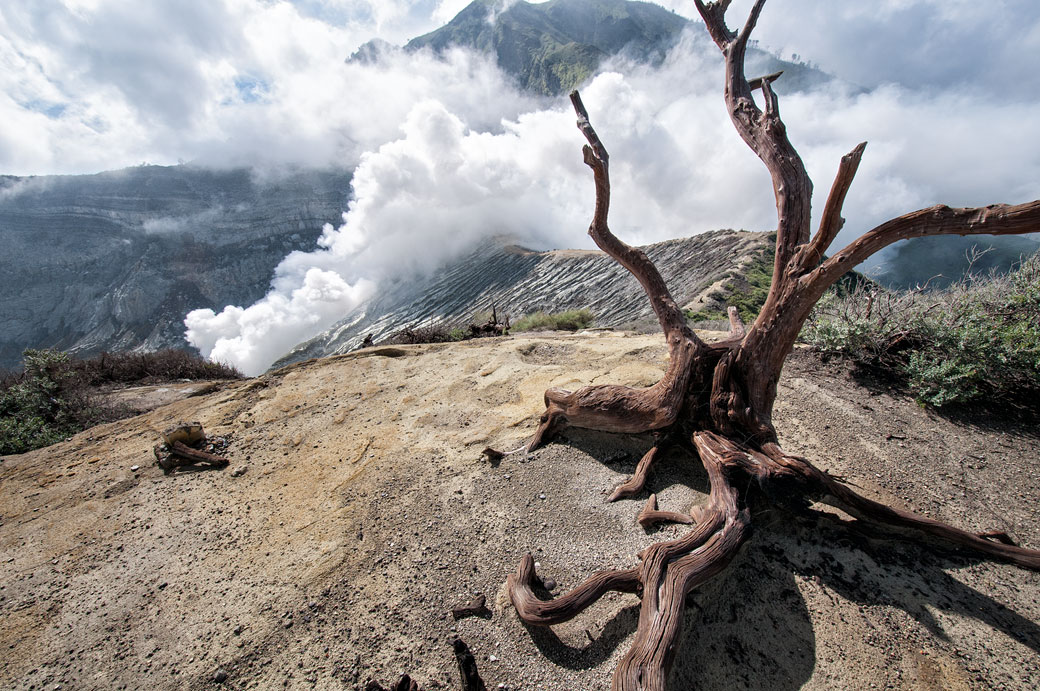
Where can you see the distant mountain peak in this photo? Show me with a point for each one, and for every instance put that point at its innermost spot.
(552, 47)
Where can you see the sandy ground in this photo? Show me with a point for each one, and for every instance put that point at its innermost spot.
(365, 513)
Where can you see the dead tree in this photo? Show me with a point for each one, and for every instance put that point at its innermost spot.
(719, 396)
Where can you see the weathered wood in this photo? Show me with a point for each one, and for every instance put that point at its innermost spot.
(471, 680)
(477, 607)
(651, 516)
(182, 446)
(720, 396)
(196, 455)
(538, 612)
(634, 485)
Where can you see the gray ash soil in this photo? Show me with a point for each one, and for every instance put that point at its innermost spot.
(365, 513)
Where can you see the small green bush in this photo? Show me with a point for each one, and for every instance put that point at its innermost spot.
(570, 320)
(55, 395)
(424, 334)
(978, 340)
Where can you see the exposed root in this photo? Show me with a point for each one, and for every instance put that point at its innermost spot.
(650, 516)
(993, 544)
(537, 612)
(670, 570)
(634, 485)
(797, 473)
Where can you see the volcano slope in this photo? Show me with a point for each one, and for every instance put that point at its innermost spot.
(365, 513)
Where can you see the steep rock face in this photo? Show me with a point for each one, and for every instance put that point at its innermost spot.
(517, 281)
(114, 261)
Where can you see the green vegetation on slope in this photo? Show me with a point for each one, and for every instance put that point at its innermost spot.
(570, 320)
(747, 291)
(977, 340)
(552, 47)
(55, 395)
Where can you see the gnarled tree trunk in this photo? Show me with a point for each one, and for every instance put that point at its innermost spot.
(720, 396)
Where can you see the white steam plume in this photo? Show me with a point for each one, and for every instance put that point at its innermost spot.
(678, 168)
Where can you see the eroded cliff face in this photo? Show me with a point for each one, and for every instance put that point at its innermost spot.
(517, 281)
(114, 261)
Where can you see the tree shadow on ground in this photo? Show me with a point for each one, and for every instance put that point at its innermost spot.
(750, 627)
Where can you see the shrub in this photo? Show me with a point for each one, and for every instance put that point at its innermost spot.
(55, 395)
(977, 340)
(141, 368)
(570, 320)
(423, 334)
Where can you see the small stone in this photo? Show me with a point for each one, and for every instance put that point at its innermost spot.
(135, 468)
(239, 471)
(549, 583)
(492, 658)
(238, 630)
(541, 496)
(220, 676)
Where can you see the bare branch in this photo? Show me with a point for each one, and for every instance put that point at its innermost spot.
(736, 324)
(831, 222)
(996, 219)
(749, 25)
(714, 15)
(771, 104)
(757, 82)
(764, 132)
(673, 322)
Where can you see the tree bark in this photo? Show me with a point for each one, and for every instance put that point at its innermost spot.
(719, 397)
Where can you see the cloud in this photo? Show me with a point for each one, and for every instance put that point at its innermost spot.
(450, 177)
(919, 44)
(274, 323)
(104, 85)
(446, 152)
(172, 225)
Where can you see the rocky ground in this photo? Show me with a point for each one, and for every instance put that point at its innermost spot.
(365, 513)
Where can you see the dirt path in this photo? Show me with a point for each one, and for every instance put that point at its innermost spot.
(365, 513)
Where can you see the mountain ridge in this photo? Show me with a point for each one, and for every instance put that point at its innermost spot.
(552, 47)
(517, 281)
(114, 260)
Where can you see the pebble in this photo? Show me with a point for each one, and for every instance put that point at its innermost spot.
(135, 468)
(220, 676)
(541, 496)
(239, 471)
(549, 583)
